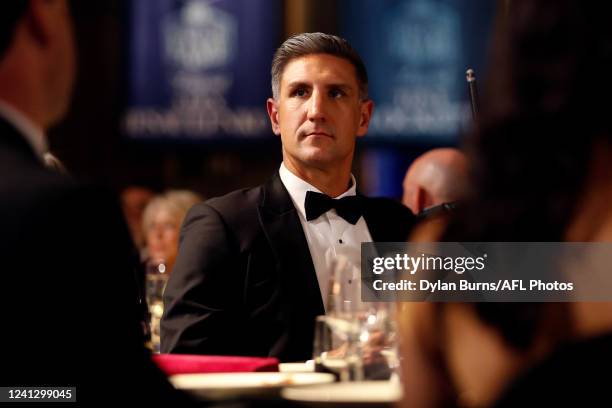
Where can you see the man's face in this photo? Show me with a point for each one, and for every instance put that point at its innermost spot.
(319, 112)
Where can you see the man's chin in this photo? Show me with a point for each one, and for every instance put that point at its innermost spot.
(321, 163)
(315, 155)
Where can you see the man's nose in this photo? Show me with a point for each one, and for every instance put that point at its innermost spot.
(316, 107)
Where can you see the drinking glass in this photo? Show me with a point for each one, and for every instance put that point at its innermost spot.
(156, 279)
(355, 340)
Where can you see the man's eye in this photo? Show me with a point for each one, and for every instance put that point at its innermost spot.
(300, 92)
(336, 93)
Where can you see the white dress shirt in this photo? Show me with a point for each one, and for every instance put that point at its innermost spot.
(328, 236)
(32, 133)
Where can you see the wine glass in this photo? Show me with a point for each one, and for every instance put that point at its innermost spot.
(355, 339)
(156, 279)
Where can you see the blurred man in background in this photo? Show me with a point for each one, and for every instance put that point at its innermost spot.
(69, 305)
(254, 266)
(435, 178)
(134, 200)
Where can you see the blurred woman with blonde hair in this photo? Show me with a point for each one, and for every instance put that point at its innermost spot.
(162, 221)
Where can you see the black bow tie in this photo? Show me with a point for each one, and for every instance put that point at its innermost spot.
(317, 204)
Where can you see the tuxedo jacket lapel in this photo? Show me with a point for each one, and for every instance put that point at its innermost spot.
(297, 277)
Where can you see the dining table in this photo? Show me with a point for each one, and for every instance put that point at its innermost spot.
(254, 382)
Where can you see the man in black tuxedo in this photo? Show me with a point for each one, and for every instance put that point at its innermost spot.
(69, 302)
(254, 265)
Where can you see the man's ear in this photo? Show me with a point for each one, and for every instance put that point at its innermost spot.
(42, 17)
(412, 197)
(420, 199)
(273, 114)
(367, 107)
(425, 199)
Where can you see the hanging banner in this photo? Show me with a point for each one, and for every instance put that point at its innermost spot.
(199, 69)
(417, 53)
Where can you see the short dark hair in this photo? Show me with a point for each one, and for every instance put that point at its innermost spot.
(10, 12)
(317, 43)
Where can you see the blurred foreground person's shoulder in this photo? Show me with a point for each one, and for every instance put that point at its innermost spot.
(68, 262)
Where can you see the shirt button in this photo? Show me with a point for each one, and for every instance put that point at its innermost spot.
(340, 241)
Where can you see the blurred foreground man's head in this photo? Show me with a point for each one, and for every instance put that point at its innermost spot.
(37, 58)
(72, 307)
(436, 177)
